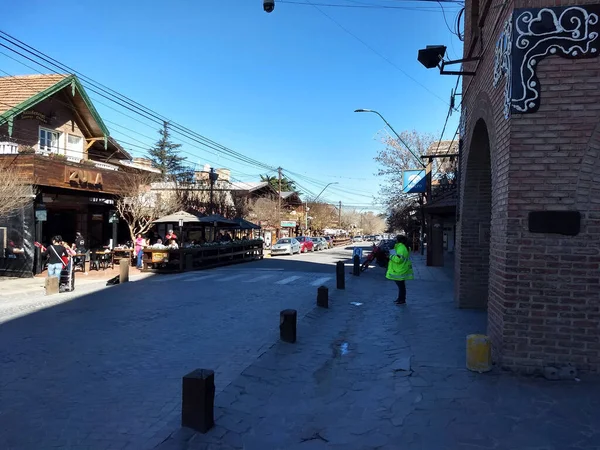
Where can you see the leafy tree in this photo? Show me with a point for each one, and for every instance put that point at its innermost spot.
(287, 185)
(164, 157)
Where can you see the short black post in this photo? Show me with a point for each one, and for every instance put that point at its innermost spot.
(198, 400)
(287, 325)
(356, 268)
(339, 275)
(323, 297)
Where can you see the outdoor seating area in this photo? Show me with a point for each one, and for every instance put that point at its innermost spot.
(204, 242)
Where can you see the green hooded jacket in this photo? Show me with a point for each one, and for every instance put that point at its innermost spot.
(400, 266)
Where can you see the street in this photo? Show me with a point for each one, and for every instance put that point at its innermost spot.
(104, 370)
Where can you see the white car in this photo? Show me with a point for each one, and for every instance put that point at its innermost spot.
(285, 246)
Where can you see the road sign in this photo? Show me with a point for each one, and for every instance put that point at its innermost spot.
(288, 224)
(414, 181)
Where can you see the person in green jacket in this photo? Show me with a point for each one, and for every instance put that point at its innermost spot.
(400, 267)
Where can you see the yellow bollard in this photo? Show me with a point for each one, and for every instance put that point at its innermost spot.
(479, 353)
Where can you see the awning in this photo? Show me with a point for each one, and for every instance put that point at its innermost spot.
(243, 224)
(180, 215)
(217, 220)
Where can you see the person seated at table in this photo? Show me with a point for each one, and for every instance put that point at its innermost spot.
(173, 244)
(158, 243)
(170, 236)
(13, 251)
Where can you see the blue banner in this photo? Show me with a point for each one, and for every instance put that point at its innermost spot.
(414, 181)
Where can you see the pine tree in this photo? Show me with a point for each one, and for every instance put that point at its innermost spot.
(164, 156)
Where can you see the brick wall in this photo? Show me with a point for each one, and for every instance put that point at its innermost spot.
(544, 290)
(480, 271)
(555, 154)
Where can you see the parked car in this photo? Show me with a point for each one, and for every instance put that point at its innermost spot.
(320, 243)
(357, 239)
(325, 243)
(306, 245)
(285, 246)
(329, 241)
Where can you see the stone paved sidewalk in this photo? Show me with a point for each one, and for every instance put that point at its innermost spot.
(379, 376)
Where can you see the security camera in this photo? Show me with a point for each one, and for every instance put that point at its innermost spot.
(269, 5)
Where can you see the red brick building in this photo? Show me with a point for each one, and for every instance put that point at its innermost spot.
(528, 237)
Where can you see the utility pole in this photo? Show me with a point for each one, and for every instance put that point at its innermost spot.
(306, 216)
(279, 206)
(340, 216)
(213, 176)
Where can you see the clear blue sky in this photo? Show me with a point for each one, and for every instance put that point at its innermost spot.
(280, 87)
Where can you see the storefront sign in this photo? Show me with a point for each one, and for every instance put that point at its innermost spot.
(414, 181)
(106, 201)
(83, 178)
(35, 115)
(160, 257)
(113, 217)
(288, 224)
(41, 215)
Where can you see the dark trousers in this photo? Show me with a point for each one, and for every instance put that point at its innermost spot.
(401, 291)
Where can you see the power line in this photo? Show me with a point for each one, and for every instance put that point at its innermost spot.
(385, 58)
(128, 116)
(122, 100)
(365, 6)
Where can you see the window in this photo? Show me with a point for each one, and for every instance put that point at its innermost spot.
(74, 147)
(74, 141)
(48, 141)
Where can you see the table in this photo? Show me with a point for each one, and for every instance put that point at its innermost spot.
(106, 257)
(123, 253)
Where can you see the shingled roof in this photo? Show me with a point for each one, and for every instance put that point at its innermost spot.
(15, 90)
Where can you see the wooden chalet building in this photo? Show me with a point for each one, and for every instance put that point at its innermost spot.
(52, 135)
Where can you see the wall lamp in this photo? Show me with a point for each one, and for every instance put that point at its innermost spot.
(433, 56)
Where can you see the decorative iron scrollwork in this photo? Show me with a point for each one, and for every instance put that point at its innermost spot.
(532, 34)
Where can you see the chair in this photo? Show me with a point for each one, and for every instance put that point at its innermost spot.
(94, 262)
(79, 262)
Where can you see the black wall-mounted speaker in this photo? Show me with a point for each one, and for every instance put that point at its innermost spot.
(556, 222)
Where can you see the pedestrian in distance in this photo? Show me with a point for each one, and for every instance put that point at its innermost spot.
(400, 267)
(140, 243)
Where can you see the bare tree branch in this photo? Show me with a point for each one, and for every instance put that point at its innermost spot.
(138, 207)
(15, 193)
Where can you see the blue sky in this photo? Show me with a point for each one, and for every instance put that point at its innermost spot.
(280, 87)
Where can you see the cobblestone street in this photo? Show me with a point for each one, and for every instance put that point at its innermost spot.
(372, 375)
(103, 370)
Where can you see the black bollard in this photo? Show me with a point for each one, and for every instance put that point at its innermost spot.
(356, 268)
(339, 275)
(287, 325)
(198, 400)
(323, 297)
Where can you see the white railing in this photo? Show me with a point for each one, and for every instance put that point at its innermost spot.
(8, 148)
(101, 165)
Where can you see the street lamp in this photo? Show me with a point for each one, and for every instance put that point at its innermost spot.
(314, 201)
(316, 198)
(427, 168)
(391, 128)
